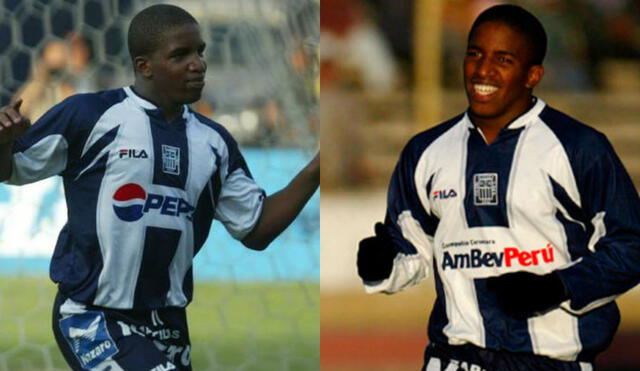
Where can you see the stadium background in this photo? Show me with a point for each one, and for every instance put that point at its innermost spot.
(252, 310)
(392, 68)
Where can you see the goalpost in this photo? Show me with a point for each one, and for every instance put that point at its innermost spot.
(251, 310)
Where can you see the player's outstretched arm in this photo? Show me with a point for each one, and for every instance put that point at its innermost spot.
(12, 125)
(282, 207)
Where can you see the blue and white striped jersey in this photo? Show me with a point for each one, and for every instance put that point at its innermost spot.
(141, 195)
(548, 194)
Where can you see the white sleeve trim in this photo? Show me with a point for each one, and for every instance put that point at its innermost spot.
(566, 305)
(239, 204)
(408, 270)
(45, 158)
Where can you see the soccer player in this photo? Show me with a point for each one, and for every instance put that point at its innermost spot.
(525, 217)
(144, 176)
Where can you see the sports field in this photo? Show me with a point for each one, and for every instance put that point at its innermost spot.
(261, 327)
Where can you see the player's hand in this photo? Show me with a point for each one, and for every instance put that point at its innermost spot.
(524, 294)
(375, 255)
(12, 123)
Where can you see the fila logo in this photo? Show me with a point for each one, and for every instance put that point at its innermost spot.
(132, 153)
(444, 194)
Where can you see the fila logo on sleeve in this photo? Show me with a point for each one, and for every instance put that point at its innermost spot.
(131, 202)
(132, 153)
(444, 194)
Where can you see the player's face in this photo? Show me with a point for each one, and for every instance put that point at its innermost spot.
(178, 67)
(498, 77)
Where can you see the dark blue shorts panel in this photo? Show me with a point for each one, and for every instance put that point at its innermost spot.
(95, 338)
(441, 357)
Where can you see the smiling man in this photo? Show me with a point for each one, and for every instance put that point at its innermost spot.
(144, 177)
(525, 217)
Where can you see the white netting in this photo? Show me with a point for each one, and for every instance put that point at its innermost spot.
(252, 310)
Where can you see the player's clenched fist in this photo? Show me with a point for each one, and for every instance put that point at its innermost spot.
(375, 255)
(12, 122)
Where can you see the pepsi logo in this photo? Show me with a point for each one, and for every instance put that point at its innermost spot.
(129, 201)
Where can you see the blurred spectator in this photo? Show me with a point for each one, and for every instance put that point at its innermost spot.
(63, 70)
(353, 49)
(584, 35)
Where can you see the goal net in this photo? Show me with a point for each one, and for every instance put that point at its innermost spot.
(251, 310)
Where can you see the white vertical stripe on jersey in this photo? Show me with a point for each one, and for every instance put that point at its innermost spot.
(513, 172)
(555, 334)
(465, 321)
(198, 139)
(121, 265)
(461, 141)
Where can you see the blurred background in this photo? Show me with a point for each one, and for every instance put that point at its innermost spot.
(251, 310)
(390, 69)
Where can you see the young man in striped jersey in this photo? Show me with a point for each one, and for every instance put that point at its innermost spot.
(144, 177)
(526, 218)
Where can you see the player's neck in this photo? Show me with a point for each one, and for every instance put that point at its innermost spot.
(170, 111)
(491, 126)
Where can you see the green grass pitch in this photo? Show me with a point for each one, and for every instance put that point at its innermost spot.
(233, 326)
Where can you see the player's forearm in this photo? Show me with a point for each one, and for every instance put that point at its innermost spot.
(5, 161)
(282, 207)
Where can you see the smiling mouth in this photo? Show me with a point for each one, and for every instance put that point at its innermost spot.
(484, 89)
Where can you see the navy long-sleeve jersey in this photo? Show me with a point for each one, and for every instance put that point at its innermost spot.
(548, 194)
(141, 195)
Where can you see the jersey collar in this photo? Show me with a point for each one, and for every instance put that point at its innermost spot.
(141, 102)
(521, 121)
(150, 107)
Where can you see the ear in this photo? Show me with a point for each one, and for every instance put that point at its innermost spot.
(142, 66)
(534, 76)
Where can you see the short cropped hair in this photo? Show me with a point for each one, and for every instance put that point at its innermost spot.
(521, 21)
(148, 27)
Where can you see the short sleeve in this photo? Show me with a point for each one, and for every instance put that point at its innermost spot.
(42, 151)
(240, 201)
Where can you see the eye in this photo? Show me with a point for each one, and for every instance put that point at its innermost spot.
(473, 53)
(505, 60)
(177, 56)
